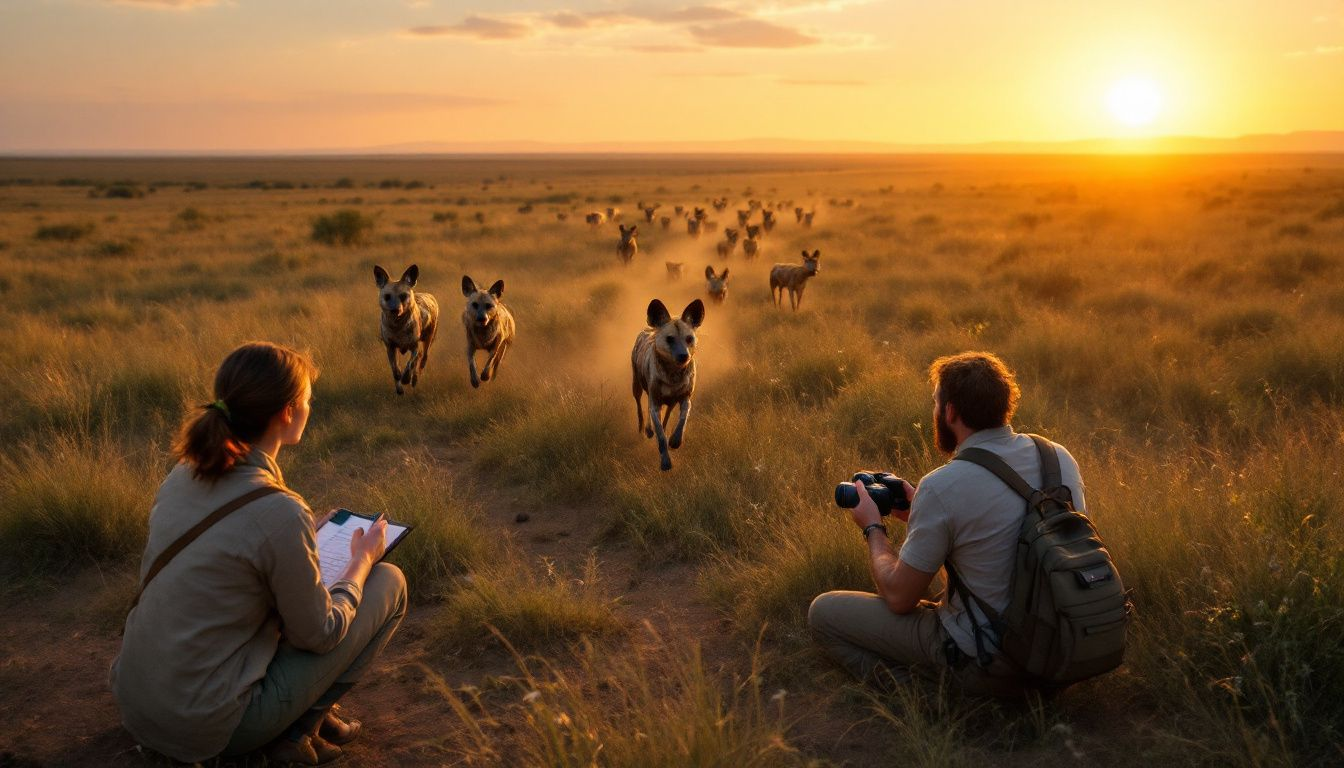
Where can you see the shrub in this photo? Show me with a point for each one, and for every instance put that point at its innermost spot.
(65, 233)
(344, 227)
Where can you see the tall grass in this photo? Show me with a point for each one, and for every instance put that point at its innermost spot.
(659, 706)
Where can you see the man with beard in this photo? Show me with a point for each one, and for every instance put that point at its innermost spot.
(961, 514)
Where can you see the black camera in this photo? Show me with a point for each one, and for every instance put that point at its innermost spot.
(887, 490)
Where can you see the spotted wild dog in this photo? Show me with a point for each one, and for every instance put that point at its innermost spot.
(410, 322)
(663, 365)
(717, 284)
(726, 246)
(613, 214)
(678, 209)
(693, 226)
(807, 218)
(595, 219)
(793, 277)
(798, 214)
(666, 221)
(489, 326)
(719, 204)
(673, 270)
(768, 221)
(751, 247)
(648, 212)
(743, 217)
(627, 248)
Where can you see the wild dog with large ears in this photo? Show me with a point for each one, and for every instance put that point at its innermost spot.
(410, 322)
(489, 326)
(663, 365)
(717, 283)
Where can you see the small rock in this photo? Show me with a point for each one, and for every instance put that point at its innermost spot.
(522, 517)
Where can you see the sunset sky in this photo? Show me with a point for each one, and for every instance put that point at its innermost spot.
(276, 74)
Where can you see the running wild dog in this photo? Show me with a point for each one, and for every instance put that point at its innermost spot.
(751, 247)
(794, 277)
(768, 220)
(663, 365)
(666, 221)
(807, 218)
(410, 321)
(717, 284)
(595, 219)
(727, 245)
(489, 326)
(627, 248)
(743, 217)
(648, 212)
(673, 270)
(693, 227)
(798, 214)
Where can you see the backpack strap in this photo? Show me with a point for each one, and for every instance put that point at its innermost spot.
(992, 462)
(196, 530)
(984, 657)
(1050, 474)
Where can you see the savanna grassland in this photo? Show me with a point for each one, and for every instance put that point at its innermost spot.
(1178, 323)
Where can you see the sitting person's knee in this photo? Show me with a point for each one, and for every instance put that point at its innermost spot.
(388, 579)
(820, 614)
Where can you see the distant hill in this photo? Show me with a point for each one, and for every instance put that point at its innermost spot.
(1298, 142)
(1307, 142)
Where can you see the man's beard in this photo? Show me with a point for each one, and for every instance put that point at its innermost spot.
(943, 436)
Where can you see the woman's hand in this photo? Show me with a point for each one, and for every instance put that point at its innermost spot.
(369, 546)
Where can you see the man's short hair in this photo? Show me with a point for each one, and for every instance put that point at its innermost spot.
(979, 386)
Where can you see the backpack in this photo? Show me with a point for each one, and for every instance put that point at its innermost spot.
(1067, 610)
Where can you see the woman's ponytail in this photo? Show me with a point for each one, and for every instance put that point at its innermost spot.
(254, 383)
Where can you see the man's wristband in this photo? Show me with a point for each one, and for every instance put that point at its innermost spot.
(873, 527)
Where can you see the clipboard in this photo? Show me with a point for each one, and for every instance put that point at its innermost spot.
(333, 541)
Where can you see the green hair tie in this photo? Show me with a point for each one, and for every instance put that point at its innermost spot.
(219, 405)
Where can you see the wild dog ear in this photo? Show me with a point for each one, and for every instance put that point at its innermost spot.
(497, 290)
(724, 276)
(805, 253)
(468, 286)
(816, 254)
(622, 226)
(657, 315)
(694, 313)
(709, 272)
(634, 229)
(380, 276)
(411, 275)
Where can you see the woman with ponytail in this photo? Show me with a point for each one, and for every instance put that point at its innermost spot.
(233, 642)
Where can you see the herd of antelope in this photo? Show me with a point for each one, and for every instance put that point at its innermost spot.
(749, 232)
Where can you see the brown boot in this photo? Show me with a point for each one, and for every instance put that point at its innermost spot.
(285, 751)
(326, 751)
(337, 730)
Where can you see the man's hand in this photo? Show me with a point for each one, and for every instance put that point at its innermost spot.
(369, 546)
(904, 514)
(865, 514)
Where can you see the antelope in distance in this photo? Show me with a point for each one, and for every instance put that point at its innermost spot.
(751, 247)
(717, 284)
(727, 245)
(627, 248)
(768, 221)
(793, 277)
(663, 365)
(673, 270)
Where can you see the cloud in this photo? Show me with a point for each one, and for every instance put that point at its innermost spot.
(166, 5)
(655, 48)
(478, 27)
(1320, 50)
(752, 33)
(691, 14)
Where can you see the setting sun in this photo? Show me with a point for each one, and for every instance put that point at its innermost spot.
(1134, 101)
